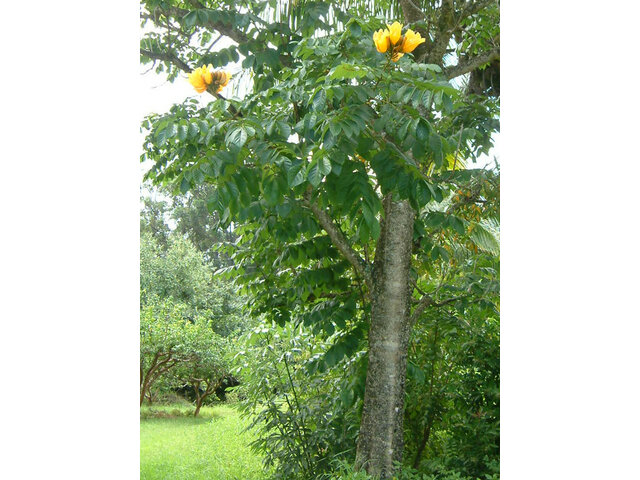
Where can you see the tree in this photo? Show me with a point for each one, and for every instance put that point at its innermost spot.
(183, 275)
(163, 343)
(342, 168)
(205, 366)
(153, 221)
(179, 273)
(195, 222)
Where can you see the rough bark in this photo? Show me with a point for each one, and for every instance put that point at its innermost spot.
(380, 440)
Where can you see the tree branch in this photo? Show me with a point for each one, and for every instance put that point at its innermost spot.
(471, 7)
(338, 239)
(167, 57)
(226, 30)
(428, 301)
(469, 64)
(411, 12)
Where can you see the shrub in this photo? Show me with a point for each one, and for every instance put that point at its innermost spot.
(306, 414)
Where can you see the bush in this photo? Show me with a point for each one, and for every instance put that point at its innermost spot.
(305, 413)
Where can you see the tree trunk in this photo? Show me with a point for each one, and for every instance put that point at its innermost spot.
(199, 398)
(143, 389)
(380, 441)
(424, 441)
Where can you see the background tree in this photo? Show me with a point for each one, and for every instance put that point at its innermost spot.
(153, 220)
(163, 342)
(205, 366)
(201, 227)
(179, 273)
(182, 274)
(351, 209)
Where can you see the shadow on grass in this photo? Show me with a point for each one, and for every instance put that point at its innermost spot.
(182, 415)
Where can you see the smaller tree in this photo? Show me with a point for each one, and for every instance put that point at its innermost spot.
(162, 342)
(153, 220)
(205, 366)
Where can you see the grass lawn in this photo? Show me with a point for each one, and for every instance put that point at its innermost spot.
(212, 446)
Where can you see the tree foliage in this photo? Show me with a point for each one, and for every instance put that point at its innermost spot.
(182, 274)
(206, 365)
(164, 342)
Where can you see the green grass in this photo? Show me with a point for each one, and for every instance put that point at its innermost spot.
(212, 446)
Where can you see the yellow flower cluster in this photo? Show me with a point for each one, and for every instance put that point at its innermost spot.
(204, 76)
(391, 39)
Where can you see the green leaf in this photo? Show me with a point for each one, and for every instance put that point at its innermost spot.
(203, 126)
(271, 193)
(233, 52)
(339, 351)
(160, 137)
(456, 224)
(423, 193)
(319, 100)
(329, 140)
(237, 137)
(401, 91)
(435, 219)
(324, 164)
(193, 130)
(484, 239)
(284, 129)
(422, 131)
(447, 103)
(185, 185)
(171, 130)
(371, 220)
(347, 70)
(295, 172)
(183, 131)
(439, 252)
(284, 209)
(269, 128)
(190, 18)
(355, 28)
(347, 397)
(435, 144)
(203, 17)
(314, 175)
(363, 231)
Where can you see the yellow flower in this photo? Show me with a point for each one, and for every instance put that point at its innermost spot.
(381, 39)
(204, 76)
(196, 79)
(221, 79)
(206, 73)
(411, 41)
(396, 56)
(201, 77)
(225, 80)
(395, 32)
